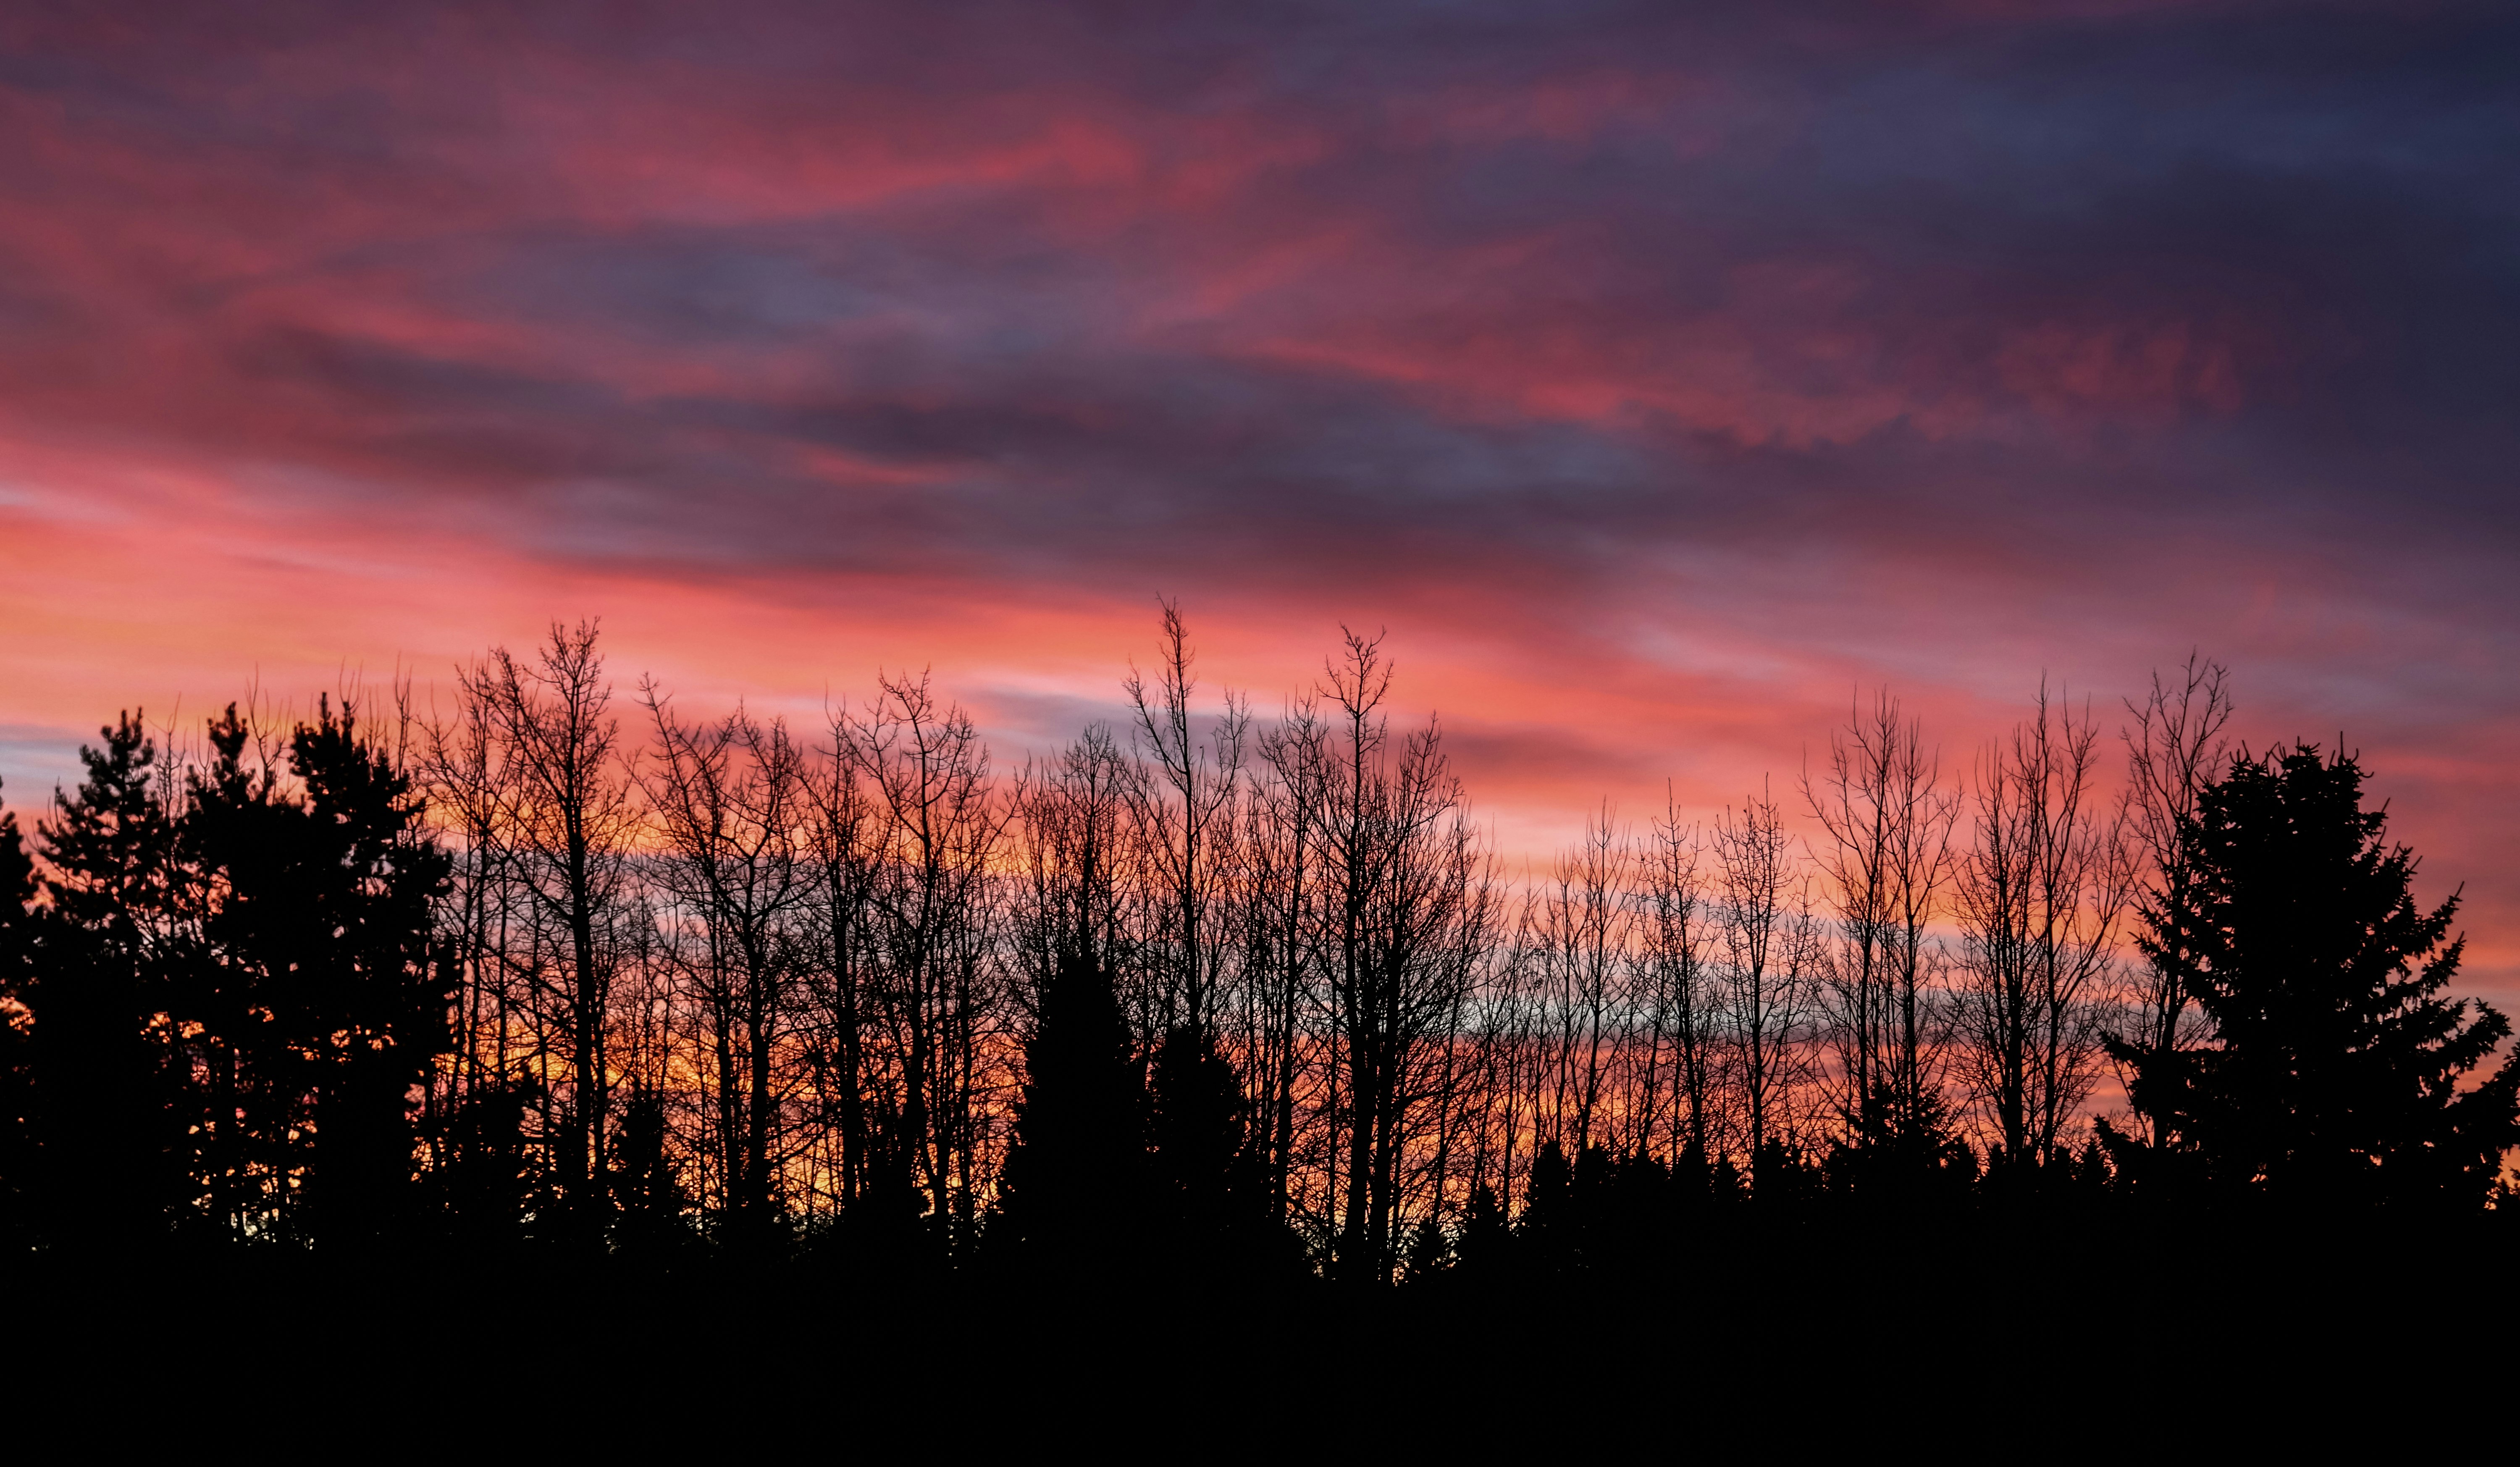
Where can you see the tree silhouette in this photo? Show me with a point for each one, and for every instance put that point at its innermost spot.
(2335, 1071)
(370, 876)
(267, 997)
(1203, 1183)
(648, 1198)
(108, 1117)
(309, 994)
(1074, 1182)
(19, 1227)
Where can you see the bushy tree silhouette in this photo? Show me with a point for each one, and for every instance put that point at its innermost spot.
(1202, 1189)
(228, 996)
(1486, 1244)
(107, 1120)
(316, 1001)
(1603, 1213)
(1074, 1187)
(1901, 1151)
(2336, 1067)
(647, 1199)
(19, 1226)
(481, 1185)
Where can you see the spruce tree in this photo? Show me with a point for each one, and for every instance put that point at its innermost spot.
(1075, 1182)
(2335, 1071)
(1198, 1121)
(647, 1199)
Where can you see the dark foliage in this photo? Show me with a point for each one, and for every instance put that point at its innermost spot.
(2334, 1075)
(111, 1107)
(227, 1002)
(18, 1093)
(1078, 1178)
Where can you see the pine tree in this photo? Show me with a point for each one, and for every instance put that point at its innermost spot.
(108, 1109)
(19, 1227)
(648, 1198)
(2336, 1066)
(1200, 1165)
(1075, 1182)
(1550, 1231)
(1487, 1243)
(385, 1013)
(312, 1004)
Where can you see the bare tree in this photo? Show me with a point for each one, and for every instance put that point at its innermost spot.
(818, 966)
(1769, 969)
(2039, 897)
(1680, 1006)
(1411, 908)
(848, 829)
(1580, 937)
(733, 808)
(1080, 865)
(2176, 748)
(1284, 880)
(1187, 812)
(1887, 864)
(463, 767)
(945, 1033)
(565, 800)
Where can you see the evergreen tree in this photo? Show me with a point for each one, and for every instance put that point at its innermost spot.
(2336, 1066)
(19, 1224)
(648, 1198)
(1075, 1180)
(1197, 1123)
(107, 1116)
(243, 989)
(314, 1001)
(1487, 1243)
(1551, 1231)
(1903, 1152)
(220, 1009)
(385, 1013)
(481, 1185)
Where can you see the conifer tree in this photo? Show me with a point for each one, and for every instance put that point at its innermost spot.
(375, 875)
(1199, 1118)
(314, 1003)
(2335, 1071)
(1074, 1182)
(647, 1199)
(18, 915)
(108, 1117)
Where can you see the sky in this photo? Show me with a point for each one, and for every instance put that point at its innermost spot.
(1654, 377)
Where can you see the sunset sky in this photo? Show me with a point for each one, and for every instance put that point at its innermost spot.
(1656, 374)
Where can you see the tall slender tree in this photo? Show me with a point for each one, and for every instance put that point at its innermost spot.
(2175, 749)
(1887, 823)
(2040, 899)
(565, 799)
(1769, 972)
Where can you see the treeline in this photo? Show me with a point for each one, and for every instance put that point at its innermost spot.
(563, 967)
